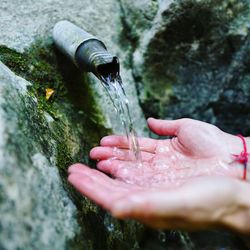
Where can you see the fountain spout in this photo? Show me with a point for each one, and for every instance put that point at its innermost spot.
(86, 51)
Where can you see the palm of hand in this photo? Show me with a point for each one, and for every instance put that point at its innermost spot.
(199, 149)
(149, 193)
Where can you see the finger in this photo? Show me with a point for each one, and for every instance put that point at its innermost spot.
(112, 166)
(187, 202)
(146, 144)
(151, 204)
(96, 175)
(79, 169)
(96, 191)
(103, 153)
(122, 169)
(165, 127)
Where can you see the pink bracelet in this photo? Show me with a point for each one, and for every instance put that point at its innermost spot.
(243, 156)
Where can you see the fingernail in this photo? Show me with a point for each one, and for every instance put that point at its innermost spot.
(92, 153)
(72, 178)
(105, 140)
(70, 169)
(150, 118)
(73, 168)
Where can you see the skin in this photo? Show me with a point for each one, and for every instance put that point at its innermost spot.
(189, 182)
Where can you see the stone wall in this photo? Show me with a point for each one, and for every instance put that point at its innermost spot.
(191, 59)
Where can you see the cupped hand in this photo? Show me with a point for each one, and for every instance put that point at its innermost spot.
(203, 202)
(184, 182)
(196, 149)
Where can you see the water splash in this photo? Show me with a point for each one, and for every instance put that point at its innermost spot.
(118, 97)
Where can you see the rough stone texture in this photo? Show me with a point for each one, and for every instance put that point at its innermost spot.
(24, 21)
(42, 138)
(191, 59)
(21, 26)
(33, 203)
(39, 140)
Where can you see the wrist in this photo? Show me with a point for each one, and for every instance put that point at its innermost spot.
(238, 217)
(234, 143)
(235, 146)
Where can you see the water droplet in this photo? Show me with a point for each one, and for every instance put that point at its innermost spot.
(163, 149)
(108, 223)
(173, 157)
(162, 236)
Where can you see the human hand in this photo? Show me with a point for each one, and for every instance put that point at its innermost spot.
(198, 149)
(204, 202)
(167, 191)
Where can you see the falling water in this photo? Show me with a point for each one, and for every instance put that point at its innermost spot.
(120, 101)
(117, 95)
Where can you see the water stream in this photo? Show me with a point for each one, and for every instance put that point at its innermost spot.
(117, 95)
(120, 102)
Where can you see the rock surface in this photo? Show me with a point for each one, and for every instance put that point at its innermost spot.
(33, 203)
(192, 61)
(39, 140)
(21, 27)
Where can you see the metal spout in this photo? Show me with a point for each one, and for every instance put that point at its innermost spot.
(86, 51)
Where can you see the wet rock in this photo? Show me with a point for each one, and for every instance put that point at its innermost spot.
(192, 61)
(33, 21)
(33, 204)
(40, 138)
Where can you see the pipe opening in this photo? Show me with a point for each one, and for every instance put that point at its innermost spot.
(109, 70)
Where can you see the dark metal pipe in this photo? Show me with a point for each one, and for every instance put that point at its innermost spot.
(86, 51)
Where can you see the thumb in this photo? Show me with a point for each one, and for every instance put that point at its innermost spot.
(165, 127)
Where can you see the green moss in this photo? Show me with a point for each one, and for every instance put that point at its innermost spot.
(13, 59)
(45, 68)
(76, 127)
(36, 69)
(78, 123)
(63, 156)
